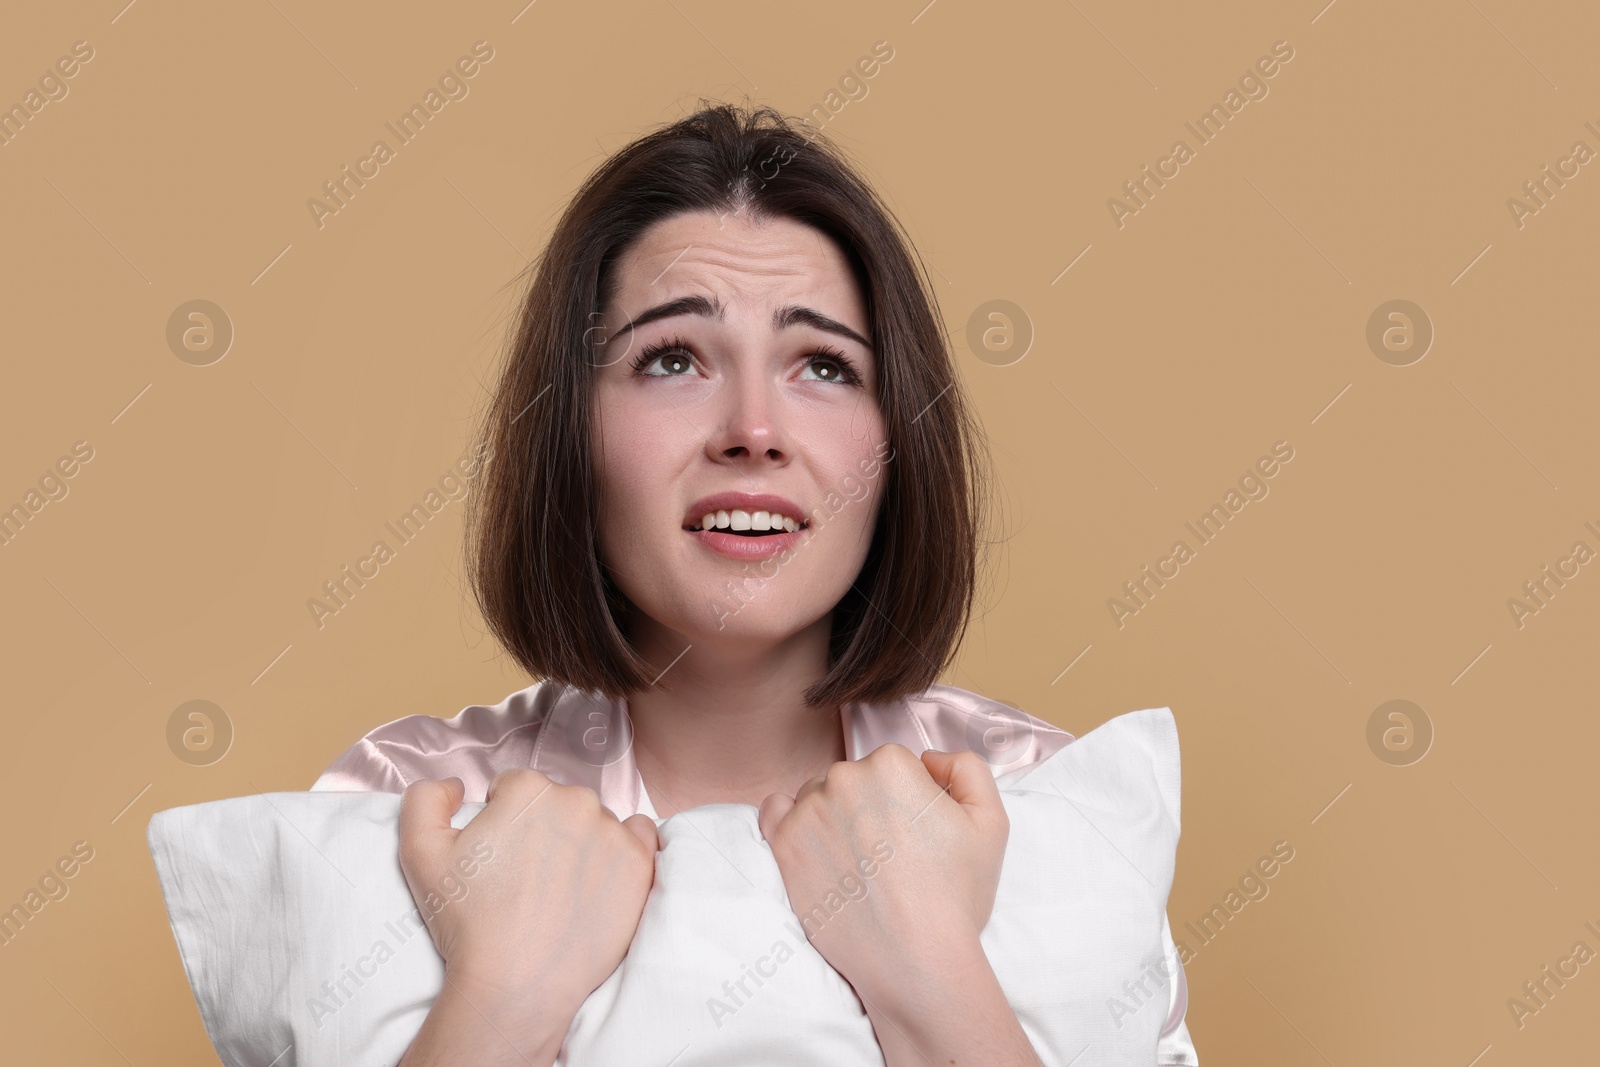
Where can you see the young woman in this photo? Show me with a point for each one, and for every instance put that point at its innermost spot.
(731, 519)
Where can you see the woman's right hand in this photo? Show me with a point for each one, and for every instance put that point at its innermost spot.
(533, 903)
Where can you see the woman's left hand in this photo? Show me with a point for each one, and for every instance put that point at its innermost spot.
(891, 863)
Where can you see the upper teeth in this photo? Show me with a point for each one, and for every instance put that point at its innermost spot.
(745, 520)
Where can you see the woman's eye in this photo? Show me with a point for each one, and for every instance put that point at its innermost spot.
(830, 368)
(676, 363)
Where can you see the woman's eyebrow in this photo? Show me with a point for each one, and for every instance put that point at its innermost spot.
(804, 316)
(784, 317)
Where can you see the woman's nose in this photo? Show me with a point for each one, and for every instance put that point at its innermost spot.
(750, 422)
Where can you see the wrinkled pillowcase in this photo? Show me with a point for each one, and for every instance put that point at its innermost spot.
(297, 930)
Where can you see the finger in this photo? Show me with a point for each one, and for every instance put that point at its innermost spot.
(966, 775)
(772, 812)
(425, 811)
(644, 828)
(811, 786)
(500, 779)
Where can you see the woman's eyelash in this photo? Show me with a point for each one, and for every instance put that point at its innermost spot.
(656, 349)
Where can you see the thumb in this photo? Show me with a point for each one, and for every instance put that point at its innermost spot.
(644, 828)
(772, 811)
(425, 811)
(966, 775)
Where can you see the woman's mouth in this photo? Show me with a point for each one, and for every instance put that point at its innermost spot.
(747, 535)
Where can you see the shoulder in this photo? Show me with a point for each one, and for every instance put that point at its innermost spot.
(474, 744)
(950, 719)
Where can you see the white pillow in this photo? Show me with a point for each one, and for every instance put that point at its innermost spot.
(297, 930)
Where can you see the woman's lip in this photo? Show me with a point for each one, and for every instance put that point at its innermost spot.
(740, 501)
(736, 546)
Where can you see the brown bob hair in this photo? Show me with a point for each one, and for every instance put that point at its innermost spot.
(532, 546)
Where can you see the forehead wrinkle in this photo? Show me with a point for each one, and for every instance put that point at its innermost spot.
(725, 250)
(725, 263)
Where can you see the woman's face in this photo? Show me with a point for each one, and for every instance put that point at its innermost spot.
(739, 401)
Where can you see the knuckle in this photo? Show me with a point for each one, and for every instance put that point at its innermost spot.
(842, 771)
(516, 781)
(970, 760)
(895, 755)
(513, 776)
(419, 792)
(576, 801)
(412, 855)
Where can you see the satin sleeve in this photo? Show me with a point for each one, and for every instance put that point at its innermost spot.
(363, 769)
(1174, 1047)
(474, 745)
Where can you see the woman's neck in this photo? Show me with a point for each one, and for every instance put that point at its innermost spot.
(730, 724)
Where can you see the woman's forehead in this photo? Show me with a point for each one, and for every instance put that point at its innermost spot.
(739, 268)
(714, 309)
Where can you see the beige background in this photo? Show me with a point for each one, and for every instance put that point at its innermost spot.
(1228, 314)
